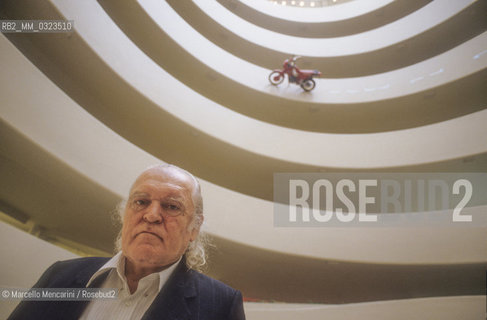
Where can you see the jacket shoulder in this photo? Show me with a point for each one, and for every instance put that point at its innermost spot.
(74, 269)
(80, 262)
(217, 299)
(207, 283)
(72, 273)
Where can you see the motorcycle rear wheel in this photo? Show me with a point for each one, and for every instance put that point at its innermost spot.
(276, 78)
(308, 84)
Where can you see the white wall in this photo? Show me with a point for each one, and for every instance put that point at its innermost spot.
(24, 258)
(444, 308)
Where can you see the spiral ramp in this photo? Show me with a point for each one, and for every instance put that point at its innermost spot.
(185, 82)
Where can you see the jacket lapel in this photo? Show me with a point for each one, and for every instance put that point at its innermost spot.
(65, 279)
(82, 278)
(176, 299)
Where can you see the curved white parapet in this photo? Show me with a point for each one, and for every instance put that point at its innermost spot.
(339, 12)
(427, 74)
(65, 130)
(388, 35)
(418, 146)
(444, 308)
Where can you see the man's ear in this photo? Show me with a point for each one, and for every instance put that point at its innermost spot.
(194, 234)
(196, 229)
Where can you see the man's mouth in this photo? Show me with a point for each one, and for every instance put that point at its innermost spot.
(149, 232)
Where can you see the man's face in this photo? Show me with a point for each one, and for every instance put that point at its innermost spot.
(158, 213)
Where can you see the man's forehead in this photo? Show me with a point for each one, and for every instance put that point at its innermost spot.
(166, 177)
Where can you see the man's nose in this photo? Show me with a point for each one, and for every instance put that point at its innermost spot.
(153, 213)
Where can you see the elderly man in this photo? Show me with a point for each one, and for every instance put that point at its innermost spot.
(154, 270)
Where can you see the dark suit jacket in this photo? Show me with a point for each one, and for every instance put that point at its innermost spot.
(186, 295)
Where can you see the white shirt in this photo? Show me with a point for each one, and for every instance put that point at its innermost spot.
(126, 306)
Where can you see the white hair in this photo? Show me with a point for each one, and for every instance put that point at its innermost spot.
(195, 255)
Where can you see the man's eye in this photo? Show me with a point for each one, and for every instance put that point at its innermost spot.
(172, 207)
(138, 203)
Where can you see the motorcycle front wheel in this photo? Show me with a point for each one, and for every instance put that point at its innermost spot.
(276, 78)
(308, 84)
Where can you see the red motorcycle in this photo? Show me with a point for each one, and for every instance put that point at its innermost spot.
(303, 78)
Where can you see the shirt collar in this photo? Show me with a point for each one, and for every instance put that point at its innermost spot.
(117, 262)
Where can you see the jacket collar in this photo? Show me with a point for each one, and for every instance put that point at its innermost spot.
(84, 275)
(76, 308)
(176, 298)
(175, 301)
